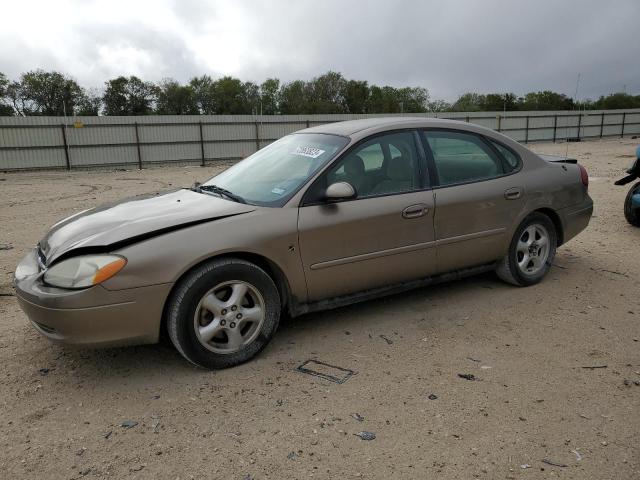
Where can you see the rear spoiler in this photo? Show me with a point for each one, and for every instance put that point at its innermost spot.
(558, 159)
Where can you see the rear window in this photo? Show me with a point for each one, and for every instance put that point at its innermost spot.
(513, 161)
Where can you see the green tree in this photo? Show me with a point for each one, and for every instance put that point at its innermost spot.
(176, 99)
(413, 99)
(293, 98)
(129, 96)
(89, 104)
(356, 96)
(251, 98)
(439, 106)
(5, 106)
(469, 102)
(204, 94)
(618, 100)
(230, 96)
(546, 100)
(326, 93)
(498, 102)
(44, 93)
(270, 96)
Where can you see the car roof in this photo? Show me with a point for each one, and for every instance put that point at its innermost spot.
(351, 127)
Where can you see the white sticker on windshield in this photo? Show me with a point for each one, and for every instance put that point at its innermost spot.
(311, 152)
(277, 191)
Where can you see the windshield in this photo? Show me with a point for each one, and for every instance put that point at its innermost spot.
(272, 175)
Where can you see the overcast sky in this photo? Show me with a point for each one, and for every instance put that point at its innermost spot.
(449, 47)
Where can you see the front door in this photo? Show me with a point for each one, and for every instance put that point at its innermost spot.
(382, 236)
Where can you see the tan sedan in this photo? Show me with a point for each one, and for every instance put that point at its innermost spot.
(321, 218)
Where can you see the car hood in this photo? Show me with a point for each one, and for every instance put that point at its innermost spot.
(135, 219)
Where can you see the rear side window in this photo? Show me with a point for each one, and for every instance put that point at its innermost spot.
(461, 157)
(513, 161)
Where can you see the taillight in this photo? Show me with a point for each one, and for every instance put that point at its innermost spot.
(584, 176)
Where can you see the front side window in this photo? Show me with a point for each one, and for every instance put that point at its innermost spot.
(461, 157)
(386, 164)
(274, 174)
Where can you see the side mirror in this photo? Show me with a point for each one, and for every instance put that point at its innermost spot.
(340, 191)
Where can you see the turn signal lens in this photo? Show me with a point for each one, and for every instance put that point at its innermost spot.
(84, 271)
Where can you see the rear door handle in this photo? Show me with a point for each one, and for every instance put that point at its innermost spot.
(513, 193)
(415, 211)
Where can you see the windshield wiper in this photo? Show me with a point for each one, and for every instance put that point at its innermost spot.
(197, 187)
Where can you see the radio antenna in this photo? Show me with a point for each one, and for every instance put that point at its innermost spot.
(575, 101)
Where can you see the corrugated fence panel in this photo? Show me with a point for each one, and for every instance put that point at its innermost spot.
(107, 155)
(30, 137)
(101, 135)
(38, 142)
(17, 159)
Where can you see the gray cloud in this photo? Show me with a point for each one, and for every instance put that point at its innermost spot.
(447, 47)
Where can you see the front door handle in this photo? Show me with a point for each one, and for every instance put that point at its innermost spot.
(513, 193)
(415, 211)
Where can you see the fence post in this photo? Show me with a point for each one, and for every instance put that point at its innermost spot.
(257, 136)
(138, 146)
(201, 145)
(499, 122)
(624, 115)
(467, 119)
(601, 124)
(555, 127)
(66, 145)
(526, 130)
(308, 123)
(579, 124)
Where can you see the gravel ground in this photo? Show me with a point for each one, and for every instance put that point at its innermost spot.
(532, 399)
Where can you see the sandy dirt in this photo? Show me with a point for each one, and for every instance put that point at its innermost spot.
(61, 409)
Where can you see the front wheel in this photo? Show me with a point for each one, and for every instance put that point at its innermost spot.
(223, 313)
(632, 212)
(531, 251)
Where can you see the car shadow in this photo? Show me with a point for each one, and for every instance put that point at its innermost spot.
(156, 362)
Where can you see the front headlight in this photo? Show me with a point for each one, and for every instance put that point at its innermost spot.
(84, 271)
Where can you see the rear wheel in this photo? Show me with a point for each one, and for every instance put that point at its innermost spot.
(632, 214)
(223, 313)
(531, 251)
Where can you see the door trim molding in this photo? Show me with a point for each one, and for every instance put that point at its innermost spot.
(406, 249)
(470, 236)
(371, 255)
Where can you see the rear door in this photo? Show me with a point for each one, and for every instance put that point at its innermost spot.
(382, 236)
(478, 195)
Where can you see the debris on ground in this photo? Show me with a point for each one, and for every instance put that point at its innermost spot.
(468, 376)
(388, 340)
(554, 464)
(43, 371)
(596, 366)
(366, 435)
(128, 424)
(358, 417)
(486, 367)
(108, 434)
(6, 246)
(291, 455)
(473, 359)
(525, 465)
(323, 370)
(432, 397)
(577, 454)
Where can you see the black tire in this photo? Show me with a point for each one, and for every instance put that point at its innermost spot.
(193, 287)
(632, 217)
(508, 269)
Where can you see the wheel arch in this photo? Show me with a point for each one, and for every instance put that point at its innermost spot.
(555, 219)
(270, 267)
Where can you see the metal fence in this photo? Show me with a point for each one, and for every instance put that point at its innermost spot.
(82, 142)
